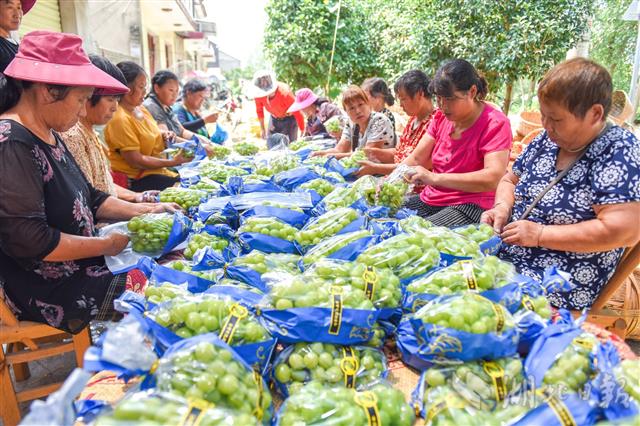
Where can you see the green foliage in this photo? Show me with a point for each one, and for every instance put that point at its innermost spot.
(614, 41)
(298, 40)
(233, 77)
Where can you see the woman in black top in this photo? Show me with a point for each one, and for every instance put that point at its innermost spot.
(11, 12)
(379, 97)
(52, 267)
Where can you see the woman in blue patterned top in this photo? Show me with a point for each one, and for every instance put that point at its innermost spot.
(584, 221)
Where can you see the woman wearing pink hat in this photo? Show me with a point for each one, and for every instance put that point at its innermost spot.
(51, 257)
(317, 111)
(11, 12)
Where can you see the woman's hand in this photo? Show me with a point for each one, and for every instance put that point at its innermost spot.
(147, 197)
(115, 243)
(522, 233)
(366, 168)
(320, 153)
(167, 135)
(497, 217)
(423, 177)
(163, 208)
(211, 118)
(336, 135)
(373, 154)
(180, 159)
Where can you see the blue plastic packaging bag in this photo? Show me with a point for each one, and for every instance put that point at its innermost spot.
(292, 217)
(291, 179)
(242, 185)
(224, 214)
(220, 135)
(267, 234)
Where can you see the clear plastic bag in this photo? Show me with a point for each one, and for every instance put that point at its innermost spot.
(573, 367)
(249, 200)
(220, 172)
(341, 196)
(153, 408)
(453, 244)
(351, 366)
(149, 233)
(380, 286)
(207, 185)
(627, 373)
(246, 148)
(388, 191)
(329, 224)
(475, 275)
(378, 404)
(277, 164)
(203, 369)
(200, 240)
(184, 197)
(331, 245)
(352, 161)
(186, 267)
(414, 223)
(192, 315)
(408, 255)
(158, 293)
(321, 186)
(269, 226)
(268, 262)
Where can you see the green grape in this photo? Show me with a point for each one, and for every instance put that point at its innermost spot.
(333, 125)
(166, 409)
(219, 152)
(451, 243)
(162, 293)
(627, 373)
(387, 193)
(478, 233)
(208, 313)
(149, 233)
(377, 340)
(302, 291)
(468, 312)
(269, 226)
(210, 373)
(386, 288)
(263, 263)
(282, 206)
(481, 274)
(539, 305)
(445, 407)
(353, 160)
(202, 240)
(408, 255)
(331, 245)
(220, 172)
(572, 367)
(341, 196)
(327, 225)
(414, 223)
(364, 365)
(207, 185)
(179, 265)
(246, 148)
(321, 186)
(184, 197)
(315, 403)
(278, 164)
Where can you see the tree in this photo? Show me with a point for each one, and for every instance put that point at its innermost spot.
(299, 36)
(613, 40)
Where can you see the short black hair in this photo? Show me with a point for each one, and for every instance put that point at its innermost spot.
(194, 86)
(459, 75)
(108, 67)
(378, 87)
(130, 70)
(412, 82)
(162, 77)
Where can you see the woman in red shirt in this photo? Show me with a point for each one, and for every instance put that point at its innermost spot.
(276, 98)
(412, 90)
(464, 152)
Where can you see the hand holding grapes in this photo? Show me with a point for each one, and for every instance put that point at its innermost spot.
(497, 217)
(423, 177)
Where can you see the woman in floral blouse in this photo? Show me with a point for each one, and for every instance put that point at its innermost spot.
(412, 90)
(582, 223)
(52, 267)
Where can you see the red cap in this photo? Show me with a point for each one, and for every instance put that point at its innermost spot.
(58, 58)
(27, 5)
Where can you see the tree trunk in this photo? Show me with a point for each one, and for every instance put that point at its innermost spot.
(507, 98)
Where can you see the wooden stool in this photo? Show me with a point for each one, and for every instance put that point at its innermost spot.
(29, 341)
(609, 320)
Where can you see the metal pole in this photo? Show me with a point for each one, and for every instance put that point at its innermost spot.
(633, 92)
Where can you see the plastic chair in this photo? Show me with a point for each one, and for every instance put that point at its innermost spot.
(25, 341)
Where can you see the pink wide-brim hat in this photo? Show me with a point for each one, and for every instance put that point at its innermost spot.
(304, 98)
(58, 58)
(27, 5)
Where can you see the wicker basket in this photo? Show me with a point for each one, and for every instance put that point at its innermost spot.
(529, 121)
(519, 146)
(621, 108)
(626, 303)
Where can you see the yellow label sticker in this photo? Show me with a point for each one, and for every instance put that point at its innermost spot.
(257, 377)
(441, 404)
(527, 303)
(369, 401)
(585, 343)
(468, 274)
(154, 366)
(499, 316)
(349, 365)
(496, 373)
(370, 280)
(195, 411)
(561, 411)
(336, 310)
(236, 313)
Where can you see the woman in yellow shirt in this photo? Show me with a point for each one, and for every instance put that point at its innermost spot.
(135, 141)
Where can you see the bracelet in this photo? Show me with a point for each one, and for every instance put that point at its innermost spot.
(540, 229)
